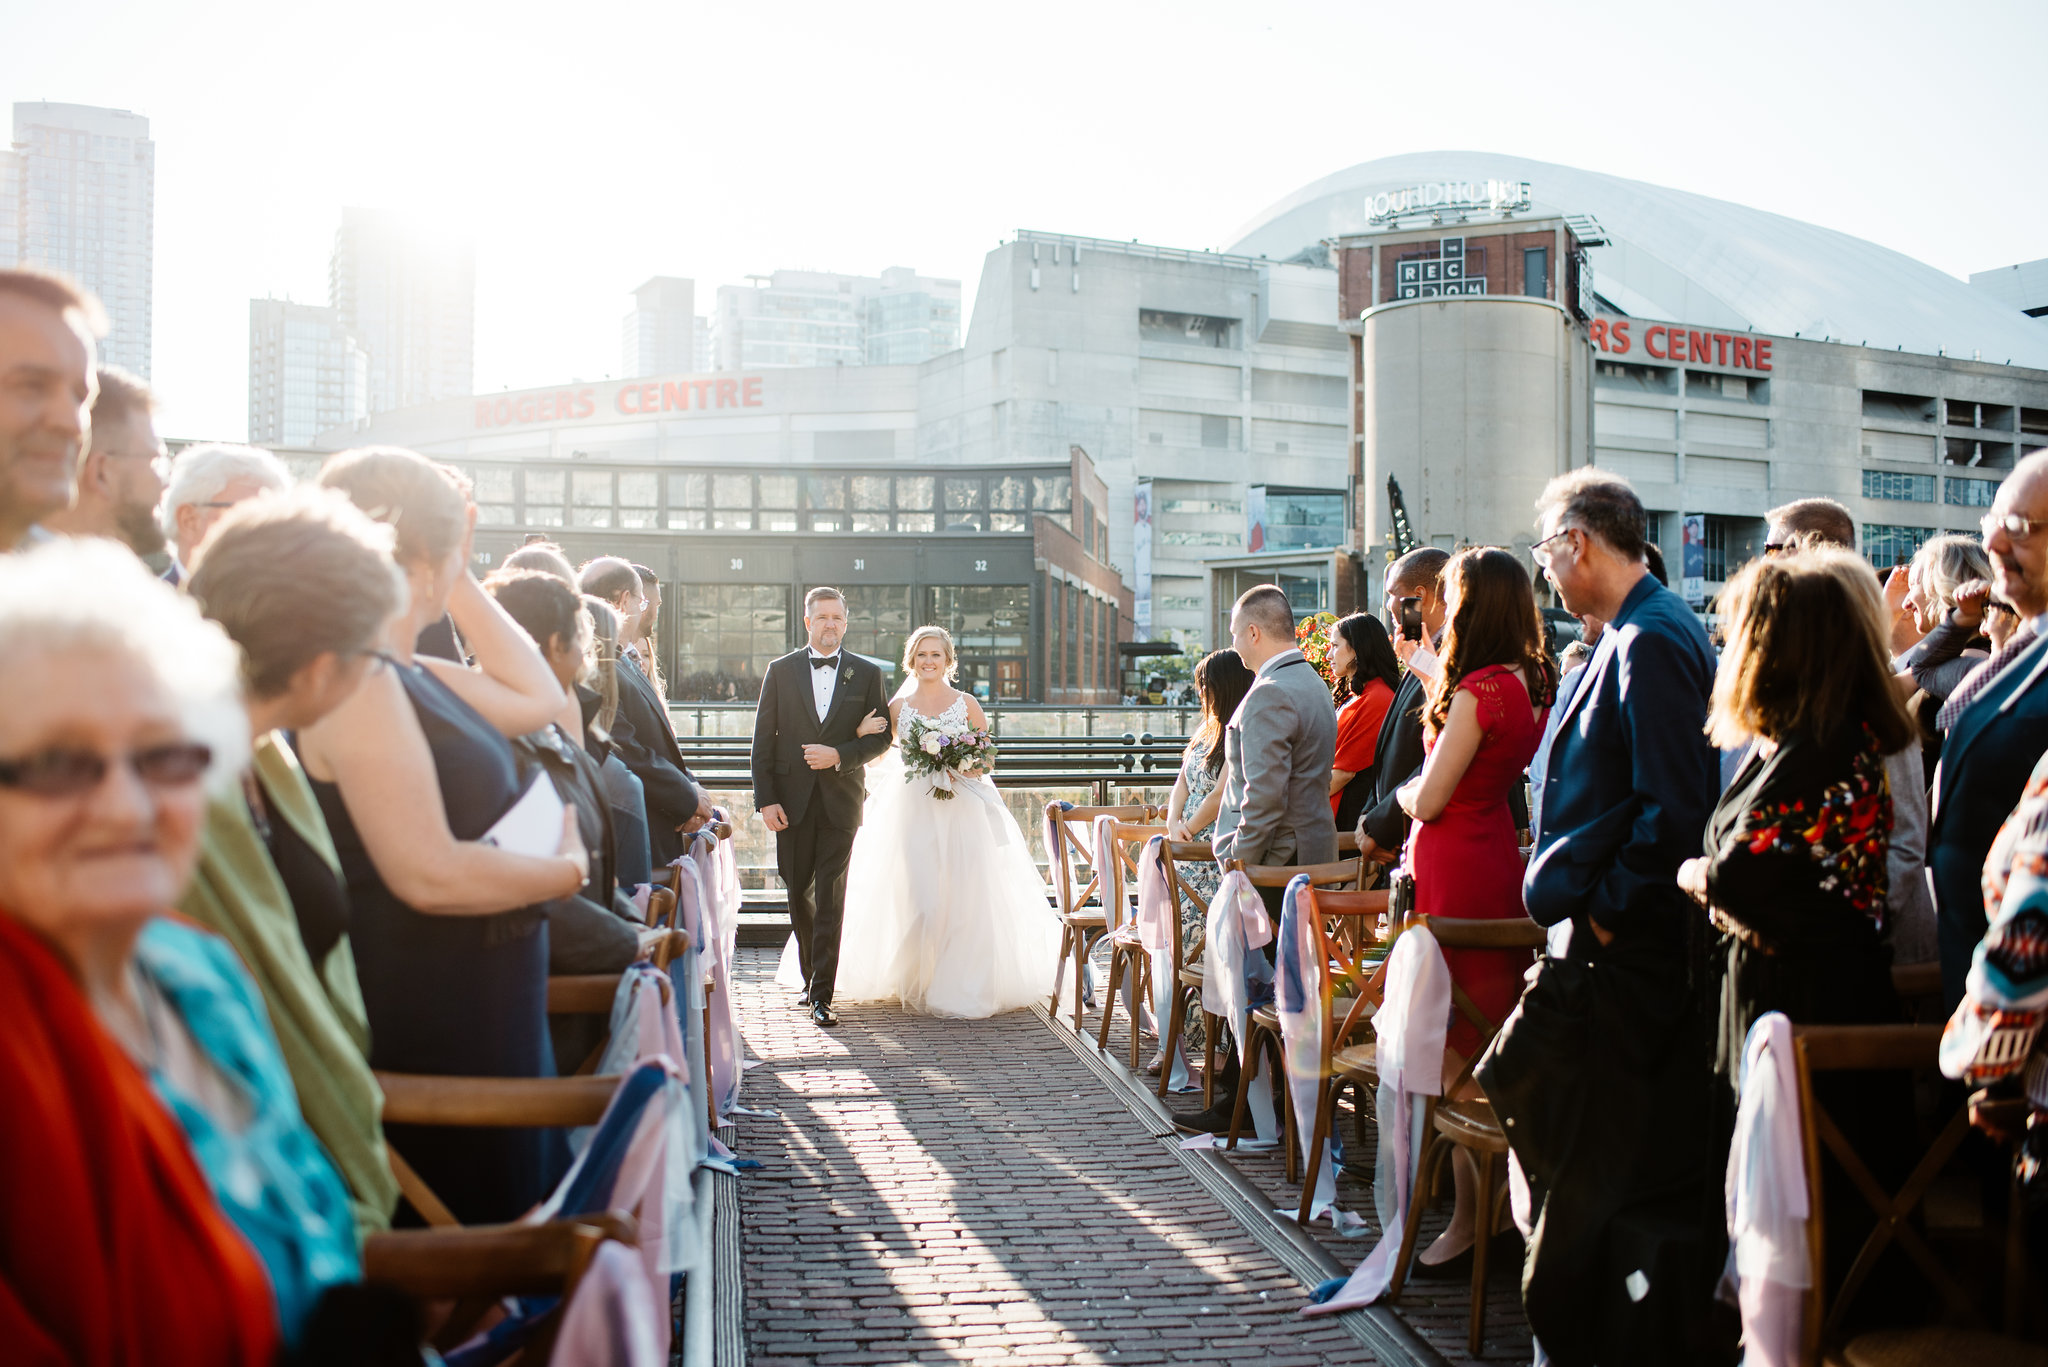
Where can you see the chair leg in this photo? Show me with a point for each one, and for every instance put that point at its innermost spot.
(1116, 963)
(1080, 957)
(1059, 971)
(1169, 1037)
(1413, 1224)
(1326, 1106)
(1245, 1078)
(1288, 1123)
(1210, 1029)
(1141, 993)
(1482, 1224)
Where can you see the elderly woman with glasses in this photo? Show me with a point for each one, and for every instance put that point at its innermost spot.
(161, 1198)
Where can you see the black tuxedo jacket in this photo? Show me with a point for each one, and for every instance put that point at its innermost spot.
(1397, 757)
(787, 720)
(645, 744)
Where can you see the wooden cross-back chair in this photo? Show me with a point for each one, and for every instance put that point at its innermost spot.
(1127, 845)
(1188, 970)
(1819, 1049)
(1454, 1122)
(1079, 905)
(482, 1103)
(1346, 926)
(722, 831)
(476, 1268)
(592, 994)
(1262, 1027)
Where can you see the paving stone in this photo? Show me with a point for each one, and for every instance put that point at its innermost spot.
(966, 1191)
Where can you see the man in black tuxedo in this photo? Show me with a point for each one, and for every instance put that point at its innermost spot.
(810, 782)
(1397, 755)
(641, 736)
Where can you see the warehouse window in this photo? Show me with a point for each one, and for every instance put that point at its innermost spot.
(1885, 544)
(1898, 486)
(1969, 493)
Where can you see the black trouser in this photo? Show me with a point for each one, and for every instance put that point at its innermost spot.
(811, 856)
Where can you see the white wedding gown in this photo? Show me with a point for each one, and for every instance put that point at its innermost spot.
(945, 911)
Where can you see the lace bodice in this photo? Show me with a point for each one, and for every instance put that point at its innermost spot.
(955, 711)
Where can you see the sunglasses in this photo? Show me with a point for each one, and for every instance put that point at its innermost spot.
(74, 773)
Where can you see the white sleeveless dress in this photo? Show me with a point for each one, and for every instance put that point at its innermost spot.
(946, 913)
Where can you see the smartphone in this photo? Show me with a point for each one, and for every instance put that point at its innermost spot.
(1411, 618)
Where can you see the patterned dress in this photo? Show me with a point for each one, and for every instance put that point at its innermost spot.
(1796, 882)
(1201, 878)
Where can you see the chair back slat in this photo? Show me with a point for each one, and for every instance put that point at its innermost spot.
(1072, 829)
(1330, 911)
(1331, 875)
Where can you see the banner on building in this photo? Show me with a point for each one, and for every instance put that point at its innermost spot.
(1141, 561)
(1255, 519)
(1693, 570)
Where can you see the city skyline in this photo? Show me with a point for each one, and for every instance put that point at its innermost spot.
(574, 199)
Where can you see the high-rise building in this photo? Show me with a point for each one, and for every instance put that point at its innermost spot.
(804, 318)
(660, 335)
(409, 300)
(306, 374)
(84, 203)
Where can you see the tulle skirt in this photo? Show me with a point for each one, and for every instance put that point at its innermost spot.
(946, 914)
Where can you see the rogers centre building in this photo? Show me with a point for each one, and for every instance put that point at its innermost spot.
(1130, 434)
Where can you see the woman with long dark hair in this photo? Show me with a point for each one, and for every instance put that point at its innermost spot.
(1486, 709)
(1221, 680)
(1362, 663)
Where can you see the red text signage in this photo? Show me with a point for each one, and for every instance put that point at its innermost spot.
(634, 399)
(1661, 342)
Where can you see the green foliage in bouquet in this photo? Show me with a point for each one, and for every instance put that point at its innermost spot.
(1312, 634)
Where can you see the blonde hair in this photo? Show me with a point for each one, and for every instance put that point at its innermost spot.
(1946, 563)
(927, 633)
(427, 502)
(604, 658)
(1807, 653)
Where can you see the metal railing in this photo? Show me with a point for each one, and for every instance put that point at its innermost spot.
(1008, 721)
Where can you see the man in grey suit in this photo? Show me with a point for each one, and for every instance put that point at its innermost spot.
(1277, 750)
(1279, 747)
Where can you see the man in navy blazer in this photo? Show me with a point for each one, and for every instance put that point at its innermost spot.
(1995, 743)
(1602, 1072)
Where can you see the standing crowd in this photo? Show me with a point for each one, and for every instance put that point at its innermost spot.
(1856, 781)
(250, 857)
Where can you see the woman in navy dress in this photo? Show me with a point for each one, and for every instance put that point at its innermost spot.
(450, 944)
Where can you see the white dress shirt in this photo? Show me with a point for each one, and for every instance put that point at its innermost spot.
(822, 681)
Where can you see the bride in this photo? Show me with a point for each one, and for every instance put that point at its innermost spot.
(945, 911)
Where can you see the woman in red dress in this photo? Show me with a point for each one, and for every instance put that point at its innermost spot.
(1486, 710)
(1363, 666)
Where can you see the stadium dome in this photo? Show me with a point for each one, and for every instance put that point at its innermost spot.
(1684, 257)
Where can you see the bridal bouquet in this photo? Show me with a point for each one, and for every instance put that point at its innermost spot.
(943, 754)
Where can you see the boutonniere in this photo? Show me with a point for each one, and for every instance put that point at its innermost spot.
(847, 676)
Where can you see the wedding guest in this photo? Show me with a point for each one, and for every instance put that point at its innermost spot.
(206, 481)
(303, 583)
(1808, 521)
(544, 556)
(676, 804)
(1363, 663)
(450, 941)
(1614, 1126)
(1937, 638)
(1794, 876)
(1278, 747)
(47, 357)
(598, 929)
(1996, 723)
(115, 706)
(601, 723)
(1221, 681)
(1486, 708)
(646, 653)
(1397, 753)
(121, 478)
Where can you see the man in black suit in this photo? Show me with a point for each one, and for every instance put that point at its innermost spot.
(1397, 756)
(810, 783)
(641, 735)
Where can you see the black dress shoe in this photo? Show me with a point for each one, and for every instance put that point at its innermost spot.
(1215, 1120)
(824, 1015)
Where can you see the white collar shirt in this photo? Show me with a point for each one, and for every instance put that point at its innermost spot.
(821, 681)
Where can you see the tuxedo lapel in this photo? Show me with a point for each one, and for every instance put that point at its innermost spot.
(1982, 714)
(842, 689)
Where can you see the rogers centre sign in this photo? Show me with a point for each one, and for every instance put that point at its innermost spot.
(633, 399)
(1663, 342)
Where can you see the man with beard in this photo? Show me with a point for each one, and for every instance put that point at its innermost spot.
(1997, 722)
(47, 384)
(121, 478)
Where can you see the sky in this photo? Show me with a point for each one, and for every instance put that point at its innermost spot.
(584, 149)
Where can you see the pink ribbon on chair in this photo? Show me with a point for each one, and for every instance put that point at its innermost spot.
(1109, 883)
(1414, 1016)
(1154, 929)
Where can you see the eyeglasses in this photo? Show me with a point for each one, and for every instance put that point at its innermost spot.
(2012, 524)
(1542, 556)
(1776, 547)
(64, 773)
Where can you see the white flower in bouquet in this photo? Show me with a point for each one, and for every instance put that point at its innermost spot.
(933, 743)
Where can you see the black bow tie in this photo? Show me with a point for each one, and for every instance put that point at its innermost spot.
(824, 662)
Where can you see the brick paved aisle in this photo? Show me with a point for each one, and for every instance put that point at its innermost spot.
(966, 1191)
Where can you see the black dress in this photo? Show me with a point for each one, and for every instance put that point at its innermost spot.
(455, 995)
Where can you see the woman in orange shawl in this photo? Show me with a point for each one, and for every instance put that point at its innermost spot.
(112, 1248)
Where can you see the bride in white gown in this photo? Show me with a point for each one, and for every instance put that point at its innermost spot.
(945, 911)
